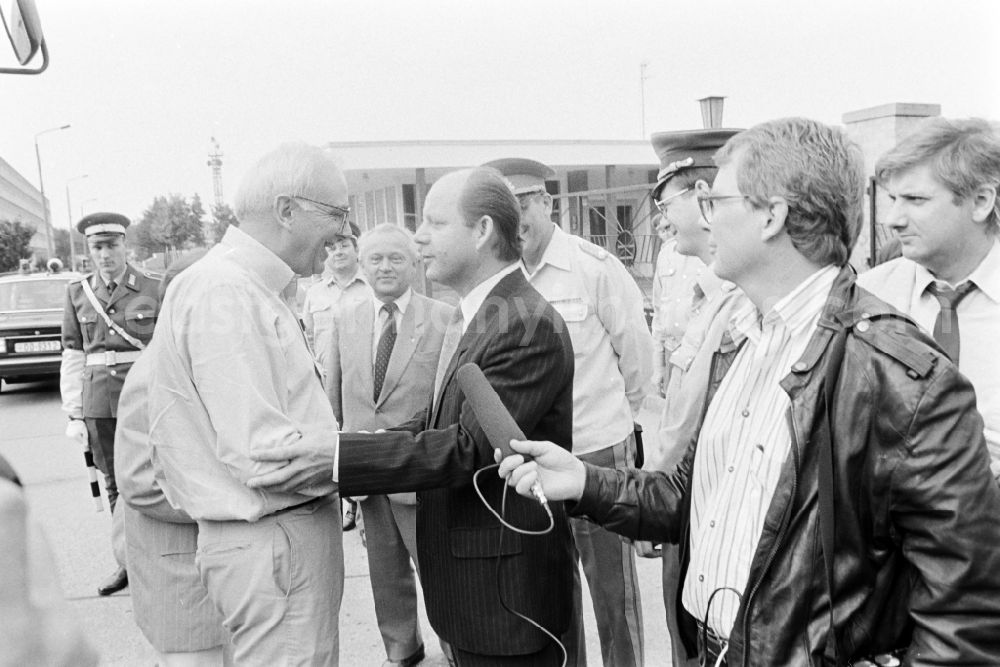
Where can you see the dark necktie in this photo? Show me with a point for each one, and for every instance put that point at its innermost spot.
(946, 324)
(384, 350)
(112, 286)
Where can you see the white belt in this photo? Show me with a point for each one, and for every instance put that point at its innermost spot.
(112, 358)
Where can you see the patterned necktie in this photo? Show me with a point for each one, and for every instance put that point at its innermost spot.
(946, 324)
(384, 351)
(452, 335)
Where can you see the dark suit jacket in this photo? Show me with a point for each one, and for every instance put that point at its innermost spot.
(409, 379)
(523, 348)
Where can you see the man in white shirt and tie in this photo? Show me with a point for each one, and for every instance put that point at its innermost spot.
(942, 182)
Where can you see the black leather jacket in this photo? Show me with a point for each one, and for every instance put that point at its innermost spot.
(917, 557)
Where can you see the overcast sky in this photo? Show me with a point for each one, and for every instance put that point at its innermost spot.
(145, 84)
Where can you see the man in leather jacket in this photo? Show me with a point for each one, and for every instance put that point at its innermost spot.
(908, 534)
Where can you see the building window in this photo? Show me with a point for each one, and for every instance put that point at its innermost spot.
(624, 217)
(370, 208)
(410, 206)
(552, 187)
(380, 206)
(390, 205)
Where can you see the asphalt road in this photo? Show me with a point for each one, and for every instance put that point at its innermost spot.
(31, 438)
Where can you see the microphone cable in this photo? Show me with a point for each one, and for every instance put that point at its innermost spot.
(505, 525)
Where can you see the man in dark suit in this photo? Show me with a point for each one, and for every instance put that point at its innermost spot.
(478, 579)
(380, 370)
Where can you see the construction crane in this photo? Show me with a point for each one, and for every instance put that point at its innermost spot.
(215, 162)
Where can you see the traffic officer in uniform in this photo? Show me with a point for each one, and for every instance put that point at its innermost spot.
(108, 321)
(603, 309)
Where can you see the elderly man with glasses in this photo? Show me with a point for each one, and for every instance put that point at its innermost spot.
(835, 504)
(231, 374)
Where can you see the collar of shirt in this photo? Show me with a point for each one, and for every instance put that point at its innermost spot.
(798, 308)
(472, 301)
(558, 253)
(986, 276)
(253, 256)
(331, 279)
(402, 303)
(116, 280)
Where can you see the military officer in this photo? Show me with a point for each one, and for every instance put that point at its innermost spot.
(108, 321)
(602, 306)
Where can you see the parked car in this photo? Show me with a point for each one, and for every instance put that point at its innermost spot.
(31, 314)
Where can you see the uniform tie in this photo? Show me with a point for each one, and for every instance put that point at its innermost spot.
(946, 324)
(452, 335)
(384, 350)
(112, 286)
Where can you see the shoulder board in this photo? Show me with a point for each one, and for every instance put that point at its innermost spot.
(78, 280)
(592, 249)
(896, 336)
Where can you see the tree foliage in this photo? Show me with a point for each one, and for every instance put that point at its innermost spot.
(222, 217)
(171, 222)
(60, 243)
(15, 239)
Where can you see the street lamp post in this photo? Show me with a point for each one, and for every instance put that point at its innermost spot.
(41, 187)
(69, 214)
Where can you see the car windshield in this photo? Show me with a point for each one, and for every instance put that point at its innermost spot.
(32, 295)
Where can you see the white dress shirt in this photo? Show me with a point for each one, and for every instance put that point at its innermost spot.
(231, 374)
(903, 284)
(742, 447)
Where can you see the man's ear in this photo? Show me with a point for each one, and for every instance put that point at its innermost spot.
(984, 202)
(777, 215)
(284, 208)
(484, 231)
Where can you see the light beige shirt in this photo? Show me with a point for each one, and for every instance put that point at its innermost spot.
(903, 283)
(602, 306)
(322, 298)
(742, 447)
(232, 375)
(673, 285)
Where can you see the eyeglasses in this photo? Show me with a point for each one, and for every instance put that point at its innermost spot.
(524, 199)
(337, 213)
(707, 204)
(663, 204)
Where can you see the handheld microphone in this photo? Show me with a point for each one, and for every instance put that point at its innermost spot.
(495, 420)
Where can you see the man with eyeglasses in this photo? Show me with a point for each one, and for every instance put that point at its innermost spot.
(835, 504)
(379, 373)
(689, 302)
(602, 306)
(232, 374)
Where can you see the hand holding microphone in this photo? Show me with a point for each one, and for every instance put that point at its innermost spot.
(528, 466)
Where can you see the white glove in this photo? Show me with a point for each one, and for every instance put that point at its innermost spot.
(77, 430)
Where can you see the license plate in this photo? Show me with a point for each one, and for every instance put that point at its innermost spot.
(38, 346)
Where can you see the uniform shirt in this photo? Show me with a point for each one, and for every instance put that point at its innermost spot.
(92, 391)
(232, 375)
(903, 283)
(602, 307)
(317, 310)
(688, 373)
(673, 288)
(742, 447)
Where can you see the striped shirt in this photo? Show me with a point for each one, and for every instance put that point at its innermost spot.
(742, 447)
